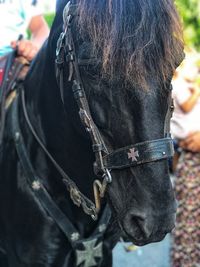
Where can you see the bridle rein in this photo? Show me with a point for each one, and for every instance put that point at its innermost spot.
(105, 161)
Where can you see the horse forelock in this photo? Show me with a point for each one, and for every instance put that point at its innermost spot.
(135, 38)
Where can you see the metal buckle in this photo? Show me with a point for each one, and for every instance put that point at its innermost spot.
(60, 43)
(107, 175)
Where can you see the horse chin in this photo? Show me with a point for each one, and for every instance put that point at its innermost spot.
(143, 241)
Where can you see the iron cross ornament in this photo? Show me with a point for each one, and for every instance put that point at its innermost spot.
(133, 154)
(87, 257)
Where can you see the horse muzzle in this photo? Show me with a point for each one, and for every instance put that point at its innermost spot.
(141, 229)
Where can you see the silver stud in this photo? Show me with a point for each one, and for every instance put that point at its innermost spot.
(17, 136)
(102, 228)
(94, 217)
(36, 185)
(164, 153)
(75, 236)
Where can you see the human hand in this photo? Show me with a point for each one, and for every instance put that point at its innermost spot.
(25, 48)
(192, 142)
(195, 90)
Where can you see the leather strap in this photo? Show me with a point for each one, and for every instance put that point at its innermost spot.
(3, 61)
(42, 194)
(140, 153)
(169, 114)
(77, 197)
(15, 69)
(7, 63)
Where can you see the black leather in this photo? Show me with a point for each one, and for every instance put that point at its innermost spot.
(42, 194)
(141, 153)
(132, 155)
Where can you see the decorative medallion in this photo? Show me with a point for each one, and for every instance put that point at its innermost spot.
(87, 256)
(133, 154)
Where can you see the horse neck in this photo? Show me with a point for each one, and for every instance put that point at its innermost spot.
(42, 96)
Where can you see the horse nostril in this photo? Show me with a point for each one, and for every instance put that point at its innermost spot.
(137, 226)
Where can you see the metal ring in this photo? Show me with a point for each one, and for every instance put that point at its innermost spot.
(94, 217)
(108, 176)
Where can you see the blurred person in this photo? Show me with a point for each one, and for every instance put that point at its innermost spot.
(185, 128)
(186, 92)
(192, 142)
(16, 17)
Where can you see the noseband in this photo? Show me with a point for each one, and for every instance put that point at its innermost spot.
(122, 158)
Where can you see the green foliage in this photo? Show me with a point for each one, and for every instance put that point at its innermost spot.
(190, 13)
(49, 18)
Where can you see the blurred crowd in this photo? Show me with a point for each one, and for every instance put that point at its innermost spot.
(185, 128)
(17, 17)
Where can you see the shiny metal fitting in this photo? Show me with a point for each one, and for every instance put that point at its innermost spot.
(108, 176)
(36, 185)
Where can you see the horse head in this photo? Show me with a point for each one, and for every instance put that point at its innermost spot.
(141, 194)
(127, 65)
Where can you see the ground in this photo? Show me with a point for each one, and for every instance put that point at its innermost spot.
(153, 255)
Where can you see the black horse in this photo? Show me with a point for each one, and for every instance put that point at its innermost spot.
(104, 114)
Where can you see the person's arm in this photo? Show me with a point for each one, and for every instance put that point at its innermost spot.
(192, 142)
(188, 105)
(39, 32)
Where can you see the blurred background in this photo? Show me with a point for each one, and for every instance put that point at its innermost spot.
(188, 9)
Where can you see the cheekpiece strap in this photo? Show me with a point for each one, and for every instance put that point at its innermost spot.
(69, 10)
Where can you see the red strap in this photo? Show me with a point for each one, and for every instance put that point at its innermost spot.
(1, 76)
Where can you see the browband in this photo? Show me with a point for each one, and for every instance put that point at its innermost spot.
(139, 153)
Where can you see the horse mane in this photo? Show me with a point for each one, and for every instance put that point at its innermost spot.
(135, 38)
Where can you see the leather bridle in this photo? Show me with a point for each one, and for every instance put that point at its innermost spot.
(105, 161)
(122, 158)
